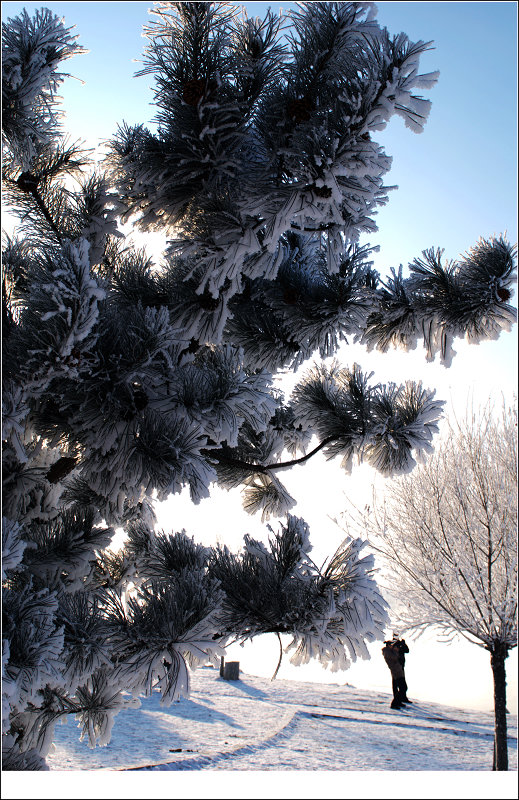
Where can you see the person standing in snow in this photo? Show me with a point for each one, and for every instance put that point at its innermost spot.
(394, 654)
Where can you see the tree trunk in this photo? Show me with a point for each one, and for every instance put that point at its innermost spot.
(231, 671)
(497, 661)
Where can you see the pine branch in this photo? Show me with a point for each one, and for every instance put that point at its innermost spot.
(28, 184)
(265, 468)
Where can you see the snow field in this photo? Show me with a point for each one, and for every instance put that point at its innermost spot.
(258, 724)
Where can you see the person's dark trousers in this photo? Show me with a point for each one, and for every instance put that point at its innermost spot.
(399, 692)
(403, 691)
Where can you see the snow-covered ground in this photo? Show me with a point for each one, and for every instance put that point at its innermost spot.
(263, 726)
(255, 724)
(258, 724)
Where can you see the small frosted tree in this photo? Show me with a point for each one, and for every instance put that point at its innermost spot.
(125, 380)
(448, 534)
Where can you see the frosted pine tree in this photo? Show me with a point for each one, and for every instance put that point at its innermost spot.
(125, 381)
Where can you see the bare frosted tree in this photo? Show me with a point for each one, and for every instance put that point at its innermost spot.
(448, 535)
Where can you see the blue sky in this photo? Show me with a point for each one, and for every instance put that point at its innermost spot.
(457, 181)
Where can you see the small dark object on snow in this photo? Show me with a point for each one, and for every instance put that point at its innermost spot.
(231, 671)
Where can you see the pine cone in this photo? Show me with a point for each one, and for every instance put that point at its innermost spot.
(503, 294)
(300, 110)
(140, 398)
(193, 91)
(61, 468)
(197, 88)
(28, 182)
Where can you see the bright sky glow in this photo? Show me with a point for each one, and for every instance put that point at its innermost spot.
(457, 181)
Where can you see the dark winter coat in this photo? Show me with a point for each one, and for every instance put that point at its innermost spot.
(402, 649)
(391, 654)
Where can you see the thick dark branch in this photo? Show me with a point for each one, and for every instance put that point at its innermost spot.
(44, 210)
(319, 229)
(264, 468)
